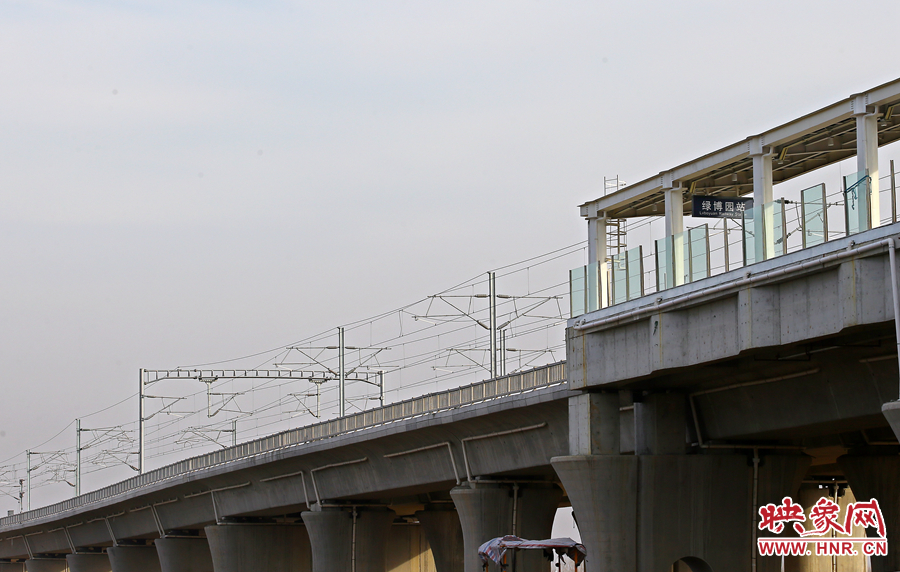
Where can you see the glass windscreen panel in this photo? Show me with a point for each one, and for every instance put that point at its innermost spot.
(856, 202)
(698, 253)
(620, 278)
(815, 216)
(635, 272)
(665, 268)
(777, 246)
(592, 287)
(577, 302)
(751, 216)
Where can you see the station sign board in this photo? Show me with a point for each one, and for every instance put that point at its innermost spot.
(720, 207)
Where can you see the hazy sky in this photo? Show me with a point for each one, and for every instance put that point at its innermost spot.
(184, 182)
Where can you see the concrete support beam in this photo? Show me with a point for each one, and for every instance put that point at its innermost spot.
(12, 567)
(184, 555)
(342, 541)
(440, 524)
(876, 477)
(88, 562)
(133, 559)
(594, 424)
(660, 423)
(252, 547)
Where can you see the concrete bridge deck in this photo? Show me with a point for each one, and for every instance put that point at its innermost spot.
(393, 456)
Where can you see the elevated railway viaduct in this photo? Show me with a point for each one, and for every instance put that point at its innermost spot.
(676, 415)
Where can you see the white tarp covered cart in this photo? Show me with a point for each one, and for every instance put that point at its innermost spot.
(496, 548)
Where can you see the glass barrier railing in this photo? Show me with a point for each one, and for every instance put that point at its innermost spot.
(757, 234)
(857, 198)
(627, 275)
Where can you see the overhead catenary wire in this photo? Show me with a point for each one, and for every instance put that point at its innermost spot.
(267, 405)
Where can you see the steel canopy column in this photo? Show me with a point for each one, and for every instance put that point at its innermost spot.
(597, 249)
(184, 555)
(674, 196)
(867, 154)
(764, 247)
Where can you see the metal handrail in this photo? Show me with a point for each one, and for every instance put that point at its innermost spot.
(538, 377)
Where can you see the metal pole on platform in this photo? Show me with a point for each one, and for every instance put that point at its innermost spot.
(141, 421)
(492, 297)
(28, 476)
(341, 368)
(893, 194)
(502, 368)
(381, 388)
(234, 432)
(77, 457)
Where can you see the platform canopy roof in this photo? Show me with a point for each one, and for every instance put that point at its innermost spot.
(807, 143)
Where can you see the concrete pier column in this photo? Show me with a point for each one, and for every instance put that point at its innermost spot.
(440, 524)
(133, 559)
(372, 530)
(535, 510)
(45, 565)
(645, 512)
(184, 555)
(257, 547)
(485, 512)
(876, 476)
(891, 412)
(603, 491)
(330, 532)
(98, 562)
(342, 541)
